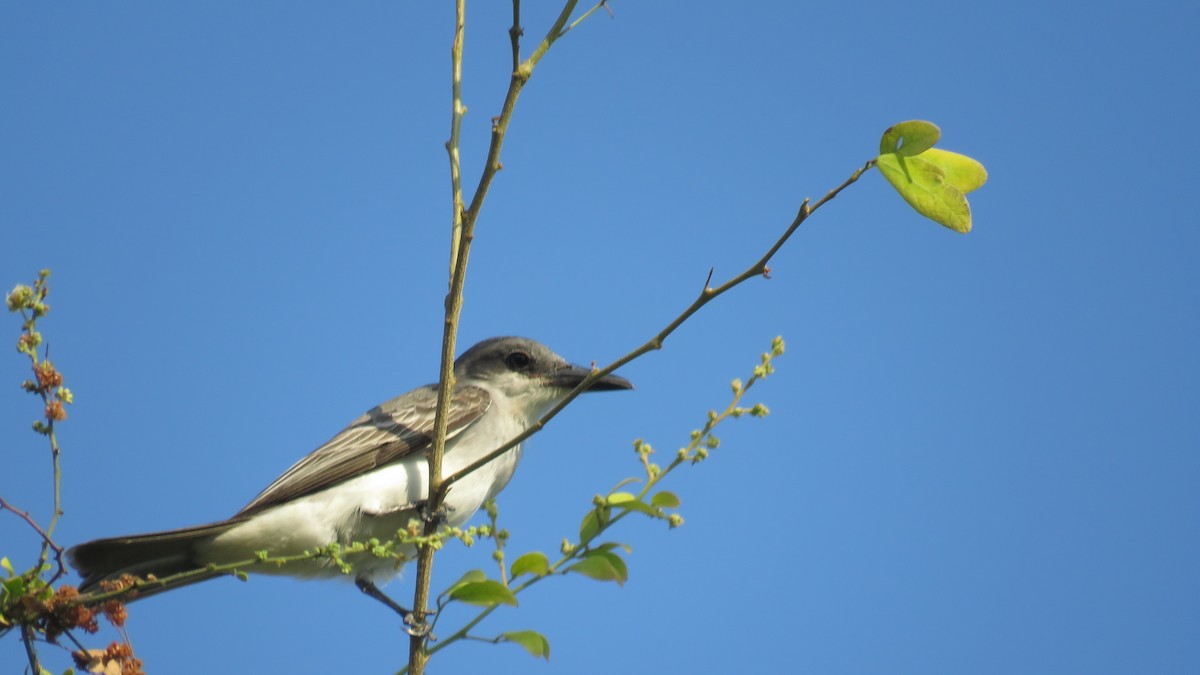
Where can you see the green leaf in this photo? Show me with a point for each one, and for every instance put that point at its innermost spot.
(595, 567)
(924, 186)
(534, 642)
(665, 500)
(474, 576)
(910, 138)
(487, 593)
(6, 565)
(14, 586)
(602, 566)
(619, 498)
(534, 563)
(618, 564)
(589, 527)
(962, 172)
(641, 507)
(592, 522)
(610, 545)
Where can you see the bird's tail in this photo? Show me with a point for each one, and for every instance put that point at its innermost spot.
(158, 554)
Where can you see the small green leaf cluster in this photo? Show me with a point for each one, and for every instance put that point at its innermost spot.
(13, 588)
(935, 182)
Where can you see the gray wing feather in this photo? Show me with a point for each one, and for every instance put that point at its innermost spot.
(386, 433)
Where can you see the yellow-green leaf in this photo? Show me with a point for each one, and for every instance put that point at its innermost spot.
(618, 498)
(534, 642)
(961, 171)
(924, 186)
(909, 138)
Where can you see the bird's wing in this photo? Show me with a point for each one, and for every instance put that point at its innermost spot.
(386, 433)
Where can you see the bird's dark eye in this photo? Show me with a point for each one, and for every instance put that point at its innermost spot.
(518, 360)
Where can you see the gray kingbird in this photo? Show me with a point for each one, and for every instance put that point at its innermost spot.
(370, 479)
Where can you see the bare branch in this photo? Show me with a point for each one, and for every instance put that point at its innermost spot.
(656, 342)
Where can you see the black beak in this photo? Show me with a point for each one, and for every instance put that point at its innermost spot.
(569, 377)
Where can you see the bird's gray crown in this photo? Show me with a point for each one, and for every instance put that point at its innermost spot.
(498, 355)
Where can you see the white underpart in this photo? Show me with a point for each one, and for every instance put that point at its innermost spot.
(378, 503)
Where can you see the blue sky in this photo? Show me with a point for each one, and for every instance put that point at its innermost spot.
(982, 454)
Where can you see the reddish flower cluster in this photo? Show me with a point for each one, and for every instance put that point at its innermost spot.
(47, 376)
(114, 610)
(55, 411)
(66, 614)
(118, 658)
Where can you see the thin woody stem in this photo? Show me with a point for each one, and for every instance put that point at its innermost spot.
(759, 268)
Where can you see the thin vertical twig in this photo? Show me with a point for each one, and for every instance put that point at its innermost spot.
(460, 245)
(458, 110)
(463, 234)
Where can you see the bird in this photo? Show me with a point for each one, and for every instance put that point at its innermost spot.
(368, 481)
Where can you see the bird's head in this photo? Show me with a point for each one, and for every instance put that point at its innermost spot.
(526, 371)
